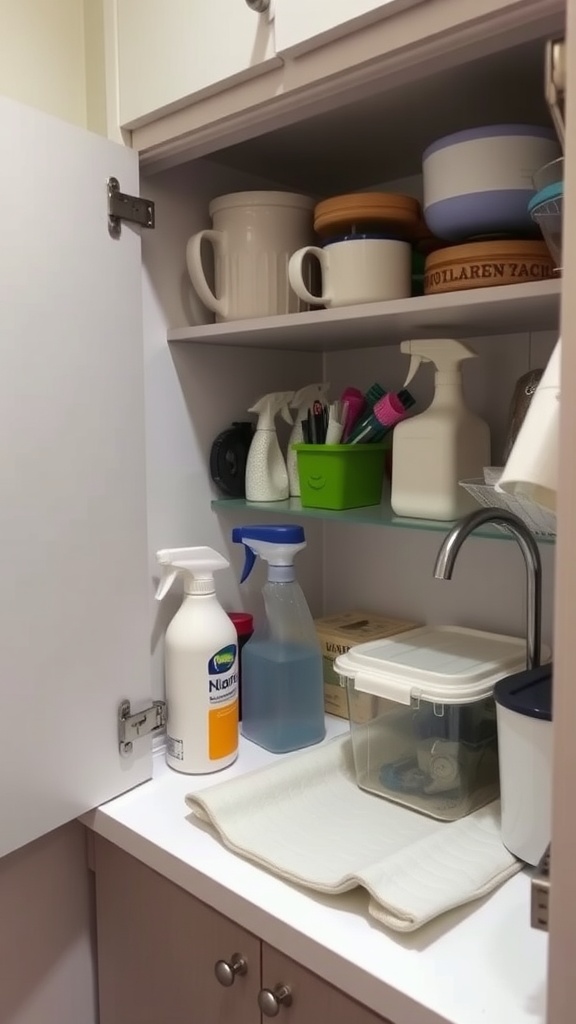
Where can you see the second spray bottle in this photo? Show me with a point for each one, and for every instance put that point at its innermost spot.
(270, 476)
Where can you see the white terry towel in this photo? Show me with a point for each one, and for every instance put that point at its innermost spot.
(306, 820)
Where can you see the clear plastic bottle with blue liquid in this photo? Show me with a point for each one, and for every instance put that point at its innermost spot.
(282, 684)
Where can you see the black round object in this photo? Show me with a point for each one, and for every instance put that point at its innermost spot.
(228, 457)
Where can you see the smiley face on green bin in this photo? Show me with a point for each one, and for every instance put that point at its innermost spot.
(317, 482)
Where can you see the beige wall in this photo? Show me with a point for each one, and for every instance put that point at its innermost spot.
(51, 57)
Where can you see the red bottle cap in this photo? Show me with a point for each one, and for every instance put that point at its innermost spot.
(243, 621)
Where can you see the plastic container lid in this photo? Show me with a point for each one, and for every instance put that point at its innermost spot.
(546, 195)
(440, 664)
(527, 693)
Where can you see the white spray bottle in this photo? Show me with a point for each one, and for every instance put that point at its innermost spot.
(266, 473)
(444, 444)
(301, 401)
(201, 666)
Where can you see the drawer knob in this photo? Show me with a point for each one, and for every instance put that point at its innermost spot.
(260, 6)
(226, 970)
(270, 1000)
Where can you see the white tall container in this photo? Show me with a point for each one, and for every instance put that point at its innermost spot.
(201, 664)
(524, 715)
(446, 443)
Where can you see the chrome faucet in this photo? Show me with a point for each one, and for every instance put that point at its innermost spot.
(453, 542)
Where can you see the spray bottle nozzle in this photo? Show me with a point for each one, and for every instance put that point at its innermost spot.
(308, 395)
(198, 564)
(277, 545)
(445, 353)
(270, 405)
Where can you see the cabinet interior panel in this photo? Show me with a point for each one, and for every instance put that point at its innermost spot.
(382, 136)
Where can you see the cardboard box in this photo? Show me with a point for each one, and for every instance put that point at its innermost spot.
(337, 634)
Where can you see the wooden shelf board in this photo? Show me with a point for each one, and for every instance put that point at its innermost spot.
(533, 306)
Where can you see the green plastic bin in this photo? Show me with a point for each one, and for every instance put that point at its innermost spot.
(339, 476)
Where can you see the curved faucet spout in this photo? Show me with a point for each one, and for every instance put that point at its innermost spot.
(501, 517)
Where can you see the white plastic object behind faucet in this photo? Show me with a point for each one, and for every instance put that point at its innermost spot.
(532, 467)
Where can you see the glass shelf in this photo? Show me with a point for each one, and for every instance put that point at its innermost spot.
(371, 515)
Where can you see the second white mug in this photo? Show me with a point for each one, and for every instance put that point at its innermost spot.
(355, 269)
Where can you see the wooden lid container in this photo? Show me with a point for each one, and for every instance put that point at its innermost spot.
(486, 264)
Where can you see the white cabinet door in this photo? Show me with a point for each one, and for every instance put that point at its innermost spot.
(173, 51)
(73, 563)
(301, 25)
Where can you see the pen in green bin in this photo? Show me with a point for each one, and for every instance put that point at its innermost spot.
(389, 410)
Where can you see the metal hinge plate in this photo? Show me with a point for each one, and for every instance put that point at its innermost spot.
(555, 85)
(142, 723)
(541, 894)
(121, 207)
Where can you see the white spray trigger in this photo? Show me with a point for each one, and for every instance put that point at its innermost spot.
(287, 415)
(165, 583)
(412, 369)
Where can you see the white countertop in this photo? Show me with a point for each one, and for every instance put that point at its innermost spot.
(482, 964)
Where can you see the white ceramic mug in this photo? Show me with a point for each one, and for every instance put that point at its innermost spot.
(355, 268)
(254, 235)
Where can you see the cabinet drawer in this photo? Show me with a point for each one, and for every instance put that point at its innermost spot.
(157, 947)
(301, 25)
(170, 52)
(310, 999)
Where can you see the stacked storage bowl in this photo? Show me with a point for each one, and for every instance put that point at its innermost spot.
(478, 185)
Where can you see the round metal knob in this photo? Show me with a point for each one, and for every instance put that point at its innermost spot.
(226, 970)
(270, 1000)
(260, 6)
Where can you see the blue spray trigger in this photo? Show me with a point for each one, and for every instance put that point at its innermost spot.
(250, 555)
(275, 544)
(248, 563)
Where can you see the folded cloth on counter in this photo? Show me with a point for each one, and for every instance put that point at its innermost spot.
(305, 819)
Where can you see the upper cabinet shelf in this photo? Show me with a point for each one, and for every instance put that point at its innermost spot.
(507, 309)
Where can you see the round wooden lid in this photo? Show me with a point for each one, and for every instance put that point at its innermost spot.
(486, 264)
(390, 211)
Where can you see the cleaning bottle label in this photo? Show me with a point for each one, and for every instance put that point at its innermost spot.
(223, 702)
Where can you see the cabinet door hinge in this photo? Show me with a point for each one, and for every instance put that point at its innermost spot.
(541, 894)
(142, 723)
(121, 207)
(555, 85)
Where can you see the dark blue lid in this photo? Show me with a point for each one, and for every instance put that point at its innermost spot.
(360, 236)
(528, 693)
(289, 534)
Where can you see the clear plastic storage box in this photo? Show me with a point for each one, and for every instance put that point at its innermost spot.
(430, 739)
